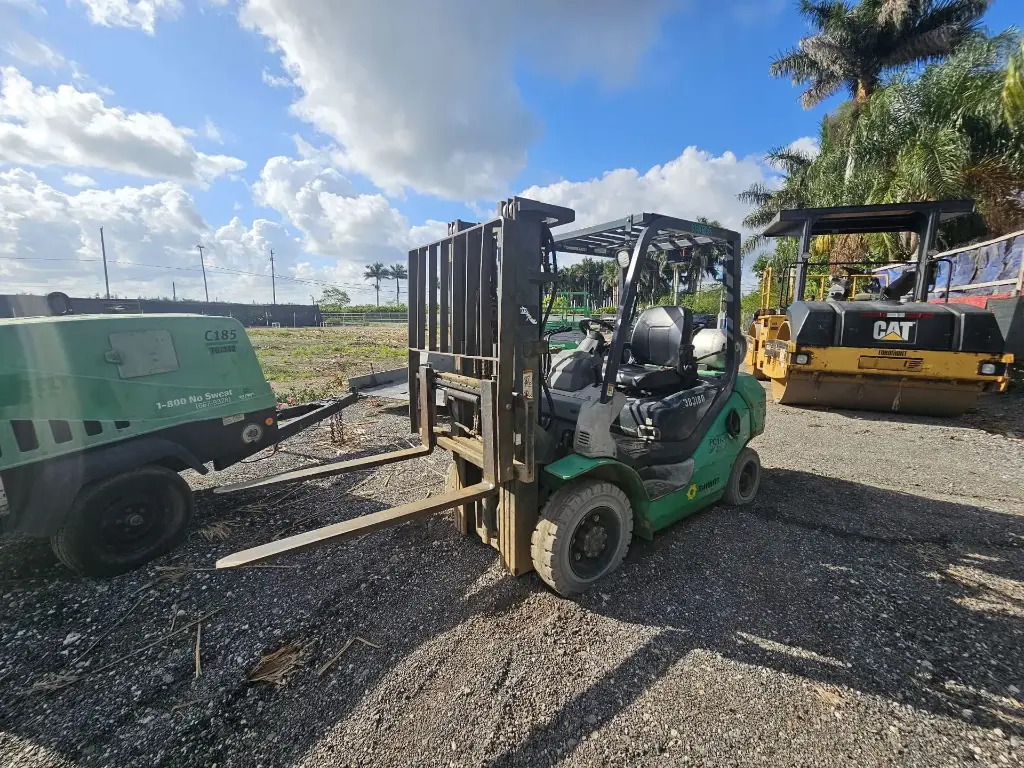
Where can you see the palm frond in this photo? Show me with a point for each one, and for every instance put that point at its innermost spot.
(794, 64)
(821, 89)
(1013, 90)
(829, 54)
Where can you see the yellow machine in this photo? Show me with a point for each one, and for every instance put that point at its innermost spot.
(866, 349)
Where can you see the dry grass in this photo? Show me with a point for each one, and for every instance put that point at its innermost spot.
(313, 363)
(276, 667)
(219, 531)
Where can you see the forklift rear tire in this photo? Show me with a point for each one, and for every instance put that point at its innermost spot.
(744, 479)
(119, 523)
(583, 535)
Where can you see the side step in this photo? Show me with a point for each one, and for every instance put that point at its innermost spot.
(359, 526)
(328, 470)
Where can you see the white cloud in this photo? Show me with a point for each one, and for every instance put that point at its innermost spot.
(79, 180)
(33, 52)
(43, 127)
(141, 14)
(212, 132)
(809, 145)
(333, 219)
(276, 81)
(694, 184)
(422, 95)
(49, 240)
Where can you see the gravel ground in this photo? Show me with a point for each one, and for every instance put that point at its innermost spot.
(868, 609)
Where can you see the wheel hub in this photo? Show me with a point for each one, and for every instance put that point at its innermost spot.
(591, 546)
(594, 541)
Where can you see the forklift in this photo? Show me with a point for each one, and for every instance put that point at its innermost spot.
(559, 459)
(868, 345)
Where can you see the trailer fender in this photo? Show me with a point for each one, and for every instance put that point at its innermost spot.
(573, 467)
(41, 494)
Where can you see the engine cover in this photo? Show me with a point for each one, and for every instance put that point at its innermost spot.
(940, 327)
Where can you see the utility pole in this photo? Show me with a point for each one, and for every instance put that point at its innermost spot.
(174, 291)
(273, 279)
(205, 286)
(103, 248)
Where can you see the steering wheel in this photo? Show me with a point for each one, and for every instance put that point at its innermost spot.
(599, 321)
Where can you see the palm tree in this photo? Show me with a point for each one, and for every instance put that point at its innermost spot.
(376, 272)
(854, 48)
(767, 201)
(398, 272)
(1013, 90)
(590, 278)
(610, 279)
(947, 135)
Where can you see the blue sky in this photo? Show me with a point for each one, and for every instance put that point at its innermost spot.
(602, 86)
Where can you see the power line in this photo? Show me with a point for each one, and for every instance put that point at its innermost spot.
(308, 281)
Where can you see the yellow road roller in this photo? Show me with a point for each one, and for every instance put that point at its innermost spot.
(867, 344)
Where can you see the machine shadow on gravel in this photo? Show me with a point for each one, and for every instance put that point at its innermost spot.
(833, 581)
(399, 588)
(996, 413)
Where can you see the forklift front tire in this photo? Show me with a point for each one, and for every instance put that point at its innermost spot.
(583, 535)
(744, 479)
(119, 523)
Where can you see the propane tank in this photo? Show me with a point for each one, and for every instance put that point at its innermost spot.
(710, 341)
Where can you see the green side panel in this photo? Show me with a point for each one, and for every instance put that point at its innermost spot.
(145, 372)
(713, 462)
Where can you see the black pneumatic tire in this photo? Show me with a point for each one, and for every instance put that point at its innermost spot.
(744, 479)
(119, 523)
(576, 520)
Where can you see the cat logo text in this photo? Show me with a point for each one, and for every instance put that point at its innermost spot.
(899, 331)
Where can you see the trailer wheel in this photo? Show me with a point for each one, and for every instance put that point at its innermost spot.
(744, 479)
(119, 523)
(583, 535)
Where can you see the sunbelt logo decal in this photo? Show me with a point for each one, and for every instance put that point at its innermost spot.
(693, 490)
(897, 330)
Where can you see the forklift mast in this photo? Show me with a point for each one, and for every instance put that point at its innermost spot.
(475, 325)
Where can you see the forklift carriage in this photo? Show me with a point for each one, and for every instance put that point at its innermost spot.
(559, 459)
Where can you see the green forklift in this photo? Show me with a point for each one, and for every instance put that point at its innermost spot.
(559, 459)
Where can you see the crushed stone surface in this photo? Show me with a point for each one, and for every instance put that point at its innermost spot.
(867, 609)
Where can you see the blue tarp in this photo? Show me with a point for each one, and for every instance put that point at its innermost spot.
(986, 263)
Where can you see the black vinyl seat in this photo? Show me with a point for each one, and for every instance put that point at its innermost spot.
(656, 347)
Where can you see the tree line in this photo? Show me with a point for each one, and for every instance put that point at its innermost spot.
(936, 111)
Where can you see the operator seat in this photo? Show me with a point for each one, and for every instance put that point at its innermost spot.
(656, 350)
(665, 398)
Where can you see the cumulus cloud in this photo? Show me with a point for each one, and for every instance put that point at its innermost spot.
(809, 145)
(79, 180)
(334, 219)
(49, 240)
(422, 95)
(44, 127)
(276, 81)
(696, 183)
(141, 14)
